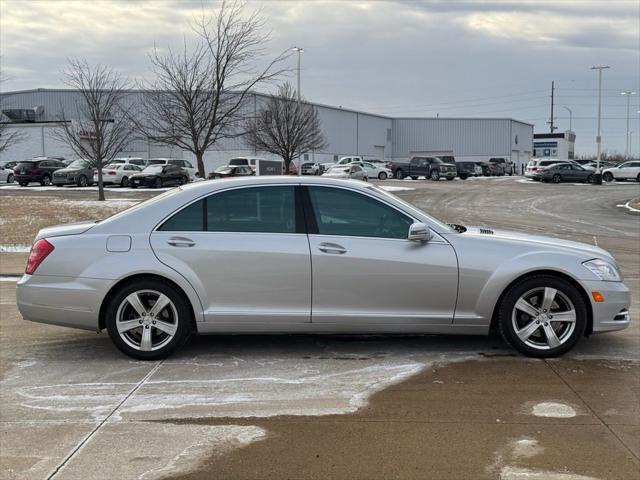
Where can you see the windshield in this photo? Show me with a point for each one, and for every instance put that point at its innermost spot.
(442, 227)
(156, 162)
(79, 164)
(224, 169)
(115, 166)
(153, 169)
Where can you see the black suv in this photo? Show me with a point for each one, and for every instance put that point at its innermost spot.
(36, 170)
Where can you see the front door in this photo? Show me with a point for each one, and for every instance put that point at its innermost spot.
(244, 253)
(365, 271)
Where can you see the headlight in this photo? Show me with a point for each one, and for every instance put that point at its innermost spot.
(603, 270)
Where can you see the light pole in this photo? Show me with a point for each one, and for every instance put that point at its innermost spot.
(300, 52)
(570, 117)
(598, 176)
(628, 137)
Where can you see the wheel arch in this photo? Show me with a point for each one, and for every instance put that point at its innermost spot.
(142, 276)
(552, 273)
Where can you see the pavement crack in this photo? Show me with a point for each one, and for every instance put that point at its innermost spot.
(88, 437)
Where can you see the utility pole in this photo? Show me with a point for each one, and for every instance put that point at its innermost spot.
(300, 51)
(570, 117)
(628, 137)
(598, 176)
(550, 122)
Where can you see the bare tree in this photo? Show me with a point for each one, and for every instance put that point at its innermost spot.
(102, 124)
(8, 136)
(199, 94)
(286, 127)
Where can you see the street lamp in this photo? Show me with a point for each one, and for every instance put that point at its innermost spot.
(300, 52)
(597, 180)
(570, 117)
(628, 137)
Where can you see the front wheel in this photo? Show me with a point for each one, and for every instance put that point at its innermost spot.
(607, 177)
(46, 181)
(382, 175)
(10, 178)
(124, 182)
(542, 316)
(435, 175)
(148, 319)
(450, 178)
(399, 174)
(82, 181)
(157, 183)
(590, 179)
(556, 178)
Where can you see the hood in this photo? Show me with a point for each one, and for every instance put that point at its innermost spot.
(144, 175)
(69, 170)
(67, 229)
(586, 249)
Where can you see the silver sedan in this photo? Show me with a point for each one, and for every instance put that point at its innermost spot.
(175, 264)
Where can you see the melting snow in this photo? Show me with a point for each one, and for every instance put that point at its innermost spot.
(553, 410)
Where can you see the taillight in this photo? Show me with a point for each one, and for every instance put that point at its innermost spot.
(533, 169)
(39, 251)
(111, 172)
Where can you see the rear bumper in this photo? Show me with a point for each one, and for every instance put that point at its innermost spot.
(65, 301)
(613, 313)
(26, 178)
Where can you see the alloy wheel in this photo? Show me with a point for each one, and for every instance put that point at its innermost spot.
(147, 320)
(544, 318)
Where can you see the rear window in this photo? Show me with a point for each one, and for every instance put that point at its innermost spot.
(156, 162)
(26, 164)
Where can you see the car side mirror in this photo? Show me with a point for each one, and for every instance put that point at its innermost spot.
(419, 232)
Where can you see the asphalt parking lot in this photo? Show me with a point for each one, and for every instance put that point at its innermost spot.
(304, 407)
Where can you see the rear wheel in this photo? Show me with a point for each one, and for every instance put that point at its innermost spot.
(46, 181)
(124, 182)
(157, 183)
(542, 316)
(449, 178)
(148, 319)
(82, 181)
(435, 175)
(556, 178)
(607, 177)
(590, 179)
(10, 178)
(382, 175)
(414, 177)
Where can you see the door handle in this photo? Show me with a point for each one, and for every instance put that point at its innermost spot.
(181, 242)
(332, 248)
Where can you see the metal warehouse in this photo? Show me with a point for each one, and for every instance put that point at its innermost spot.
(347, 132)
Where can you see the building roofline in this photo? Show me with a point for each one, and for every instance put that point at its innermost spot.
(465, 118)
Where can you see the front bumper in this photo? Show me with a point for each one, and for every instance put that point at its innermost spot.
(613, 313)
(66, 180)
(65, 301)
(143, 182)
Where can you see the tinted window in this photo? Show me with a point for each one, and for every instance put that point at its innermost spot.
(190, 219)
(258, 209)
(187, 164)
(343, 212)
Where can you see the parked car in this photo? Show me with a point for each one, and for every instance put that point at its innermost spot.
(468, 169)
(79, 172)
(158, 176)
(187, 166)
(8, 164)
(352, 171)
(507, 165)
(343, 161)
(491, 169)
(117, 174)
(565, 172)
(39, 169)
(138, 161)
(594, 165)
(293, 168)
(533, 171)
(183, 263)
(625, 171)
(376, 170)
(6, 175)
(227, 171)
(312, 168)
(429, 167)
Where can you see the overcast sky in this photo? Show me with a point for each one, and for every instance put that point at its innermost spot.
(399, 58)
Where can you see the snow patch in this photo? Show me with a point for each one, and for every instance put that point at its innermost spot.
(389, 188)
(628, 207)
(15, 248)
(9, 278)
(515, 473)
(553, 410)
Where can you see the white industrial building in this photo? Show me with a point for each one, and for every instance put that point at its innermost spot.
(347, 132)
(555, 145)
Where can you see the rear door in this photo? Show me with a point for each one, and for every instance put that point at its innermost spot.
(245, 251)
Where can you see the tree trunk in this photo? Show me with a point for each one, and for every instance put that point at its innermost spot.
(200, 163)
(100, 184)
(287, 165)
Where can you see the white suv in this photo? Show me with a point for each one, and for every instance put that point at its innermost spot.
(625, 171)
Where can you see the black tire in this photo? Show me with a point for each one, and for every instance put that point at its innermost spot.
(506, 320)
(607, 177)
(450, 178)
(24, 184)
(82, 181)
(434, 175)
(589, 179)
(382, 176)
(365, 179)
(124, 182)
(184, 180)
(399, 174)
(638, 178)
(464, 177)
(157, 183)
(414, 177)
(10, 178)
(46, 180)
(183, 319)
(556, 178)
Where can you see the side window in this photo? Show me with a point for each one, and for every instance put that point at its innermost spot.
(254, 209)
(189, 219)
(344, 212)
(187, 164)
